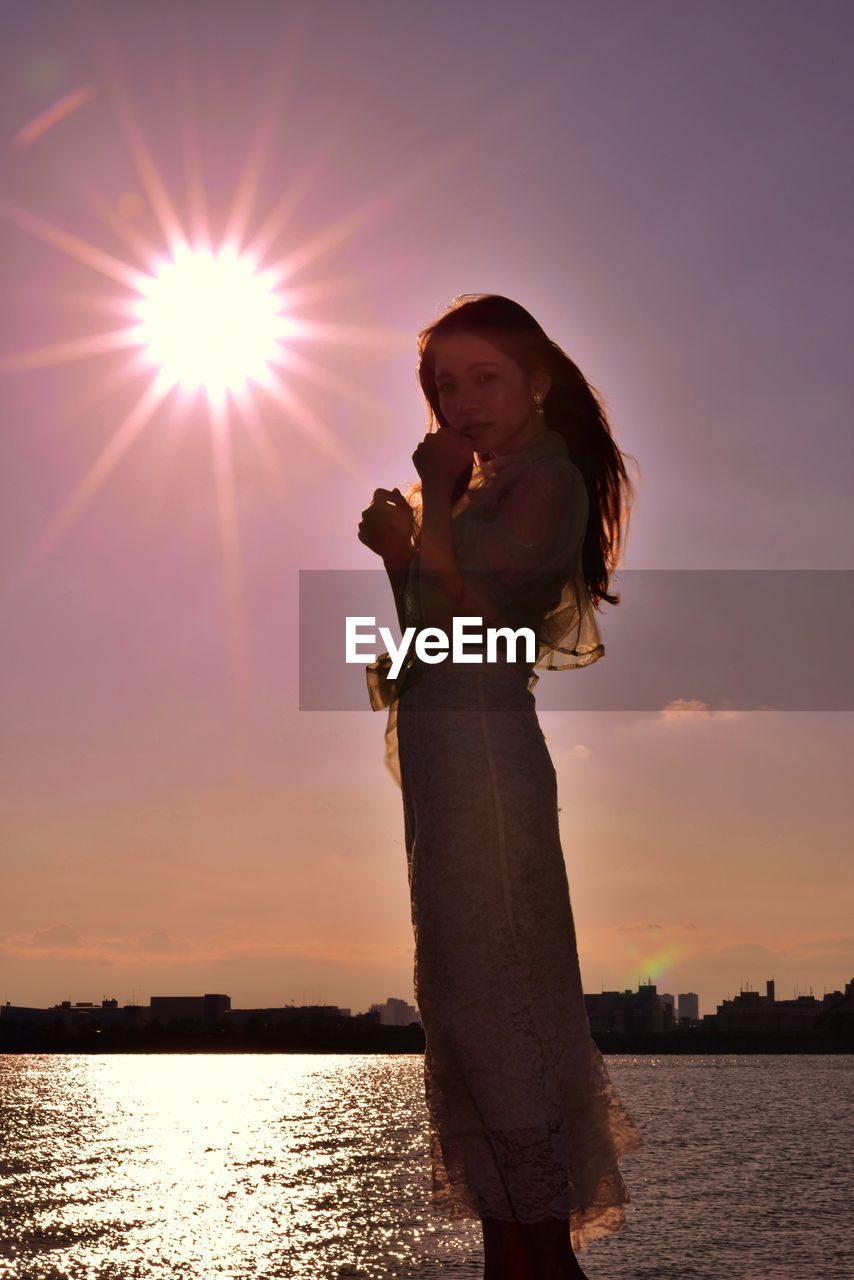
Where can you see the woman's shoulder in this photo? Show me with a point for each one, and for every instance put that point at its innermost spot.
(552, 477)
(553, 484)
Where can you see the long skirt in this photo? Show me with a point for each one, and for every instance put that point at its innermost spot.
(524, 1122)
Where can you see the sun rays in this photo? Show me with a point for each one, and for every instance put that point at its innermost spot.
(213, 315)
(205, 307)
(204, 313)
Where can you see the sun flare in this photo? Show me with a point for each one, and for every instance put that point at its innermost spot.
(212, 309)
(210, 300)
(211, 320)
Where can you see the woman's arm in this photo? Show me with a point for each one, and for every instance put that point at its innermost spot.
(445, 593)
(397, 568)
(386, 528)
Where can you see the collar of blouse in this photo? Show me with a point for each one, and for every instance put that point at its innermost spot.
(545, 442)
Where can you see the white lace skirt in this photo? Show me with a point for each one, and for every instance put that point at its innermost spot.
(524, 1120)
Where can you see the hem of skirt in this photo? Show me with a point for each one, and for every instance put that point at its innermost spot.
(587, 1223)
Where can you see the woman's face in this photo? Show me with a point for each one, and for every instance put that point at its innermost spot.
(484, 394)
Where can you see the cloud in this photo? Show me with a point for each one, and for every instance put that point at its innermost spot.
(745, 951)
(162, 943)
(639, 928)
(832, 943)
(681, 710)
(58, 937)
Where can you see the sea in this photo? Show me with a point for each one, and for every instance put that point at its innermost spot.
(316, 1167)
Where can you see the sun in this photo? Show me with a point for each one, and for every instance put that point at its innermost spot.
(211, 321)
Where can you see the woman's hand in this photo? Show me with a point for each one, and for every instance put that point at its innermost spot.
(441, 458)
(386, 525)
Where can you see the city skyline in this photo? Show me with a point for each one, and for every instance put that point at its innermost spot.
(303, 1002)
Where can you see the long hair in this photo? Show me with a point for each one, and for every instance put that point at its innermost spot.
(572, 407)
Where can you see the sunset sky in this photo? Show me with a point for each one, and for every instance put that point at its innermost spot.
(668, 189)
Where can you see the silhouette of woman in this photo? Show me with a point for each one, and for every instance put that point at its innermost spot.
(517, 520)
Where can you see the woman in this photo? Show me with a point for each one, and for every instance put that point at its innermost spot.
(516, 520)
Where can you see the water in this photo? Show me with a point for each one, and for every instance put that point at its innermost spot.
(315, 1167)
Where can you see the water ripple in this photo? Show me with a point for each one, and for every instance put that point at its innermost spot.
(315, 1167)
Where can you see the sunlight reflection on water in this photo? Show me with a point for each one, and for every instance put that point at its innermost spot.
(239, 1165)
(315, 1166)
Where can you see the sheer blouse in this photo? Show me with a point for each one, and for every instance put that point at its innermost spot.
(518, 533)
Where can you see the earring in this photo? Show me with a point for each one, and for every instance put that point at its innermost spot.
(538, 401)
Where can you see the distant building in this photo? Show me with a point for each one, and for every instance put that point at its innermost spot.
(837, 1009)
(306, 1015)
(71, 1016)
(396, 1013)
(23, 1013)
(207, 1008)
(750, 1011)
(688, 1008)
(628, 1011)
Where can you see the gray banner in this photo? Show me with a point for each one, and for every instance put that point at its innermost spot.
(735, 639)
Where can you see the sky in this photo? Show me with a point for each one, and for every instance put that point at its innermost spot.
(667, 189)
